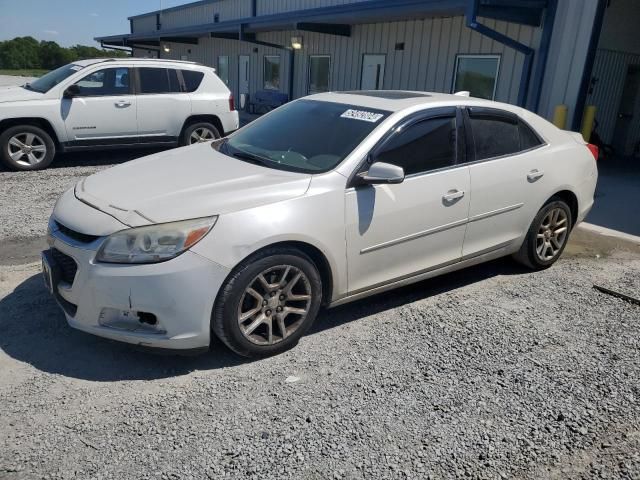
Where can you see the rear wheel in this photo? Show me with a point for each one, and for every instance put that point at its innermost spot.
(547, 236)
(26, 147)
(268, 303)
(199, 133)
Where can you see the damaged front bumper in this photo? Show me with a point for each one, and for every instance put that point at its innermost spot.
(165, 305)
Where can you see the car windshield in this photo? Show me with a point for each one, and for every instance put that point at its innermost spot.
(304, 136)
(53, 78)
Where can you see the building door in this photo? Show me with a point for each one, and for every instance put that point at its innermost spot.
(243, 79)
(372, 72)
(627, 112)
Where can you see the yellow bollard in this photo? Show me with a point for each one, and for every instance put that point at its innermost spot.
(560, 116)
(588, 119)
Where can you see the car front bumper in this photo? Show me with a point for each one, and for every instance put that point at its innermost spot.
(164, 305)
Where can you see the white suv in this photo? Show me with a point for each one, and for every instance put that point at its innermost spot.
(107, 103)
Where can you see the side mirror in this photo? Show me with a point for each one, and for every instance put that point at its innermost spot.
(71, 91)
(381, 172)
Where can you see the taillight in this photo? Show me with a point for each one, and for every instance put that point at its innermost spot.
(595, 151)
(232, 103)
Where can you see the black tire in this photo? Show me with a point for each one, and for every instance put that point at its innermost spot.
(40, 140)
(225, 318)
(190, 129)
(528, 254)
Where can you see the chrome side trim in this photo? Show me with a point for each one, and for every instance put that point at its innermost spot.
(493, 213)
(413, 236)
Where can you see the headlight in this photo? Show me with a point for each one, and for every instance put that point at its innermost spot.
(155, 243)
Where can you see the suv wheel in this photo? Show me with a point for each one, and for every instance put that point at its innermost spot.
(26, 147)
(268, 303)
(547, 236)
(199, 132)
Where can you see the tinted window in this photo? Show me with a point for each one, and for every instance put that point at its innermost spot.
(158, 80)
(305, 135)
(424, 146)
(528, 139)
(319, 70)
(192, 79)
(494, 137)
(105, 82)
(174, 84)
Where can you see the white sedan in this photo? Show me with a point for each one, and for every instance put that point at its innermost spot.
(326, 200)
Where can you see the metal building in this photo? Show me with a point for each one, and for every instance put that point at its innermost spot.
(535, 53)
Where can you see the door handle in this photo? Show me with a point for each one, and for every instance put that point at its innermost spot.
(122, 104)
(534, 175)
(452, 195)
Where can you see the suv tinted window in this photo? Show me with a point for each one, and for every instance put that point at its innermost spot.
(423, 146)
(494, 136)
(192, 79)
(158, 80)
(105, 82)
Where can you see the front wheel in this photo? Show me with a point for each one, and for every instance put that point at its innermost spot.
(26, 147)
(268, 303)
(547, 236)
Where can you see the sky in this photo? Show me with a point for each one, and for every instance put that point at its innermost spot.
(71, 22)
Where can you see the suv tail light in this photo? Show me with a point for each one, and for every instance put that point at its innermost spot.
(232, 103)
(595, 151)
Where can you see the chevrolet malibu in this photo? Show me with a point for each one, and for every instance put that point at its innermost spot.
(323, 201)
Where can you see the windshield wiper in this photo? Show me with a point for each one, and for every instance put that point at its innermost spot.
(251, 157)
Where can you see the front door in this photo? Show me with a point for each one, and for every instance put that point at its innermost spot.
(372, 72)
(629, 110)
(104, 111)
(243, 79)
(397, 231)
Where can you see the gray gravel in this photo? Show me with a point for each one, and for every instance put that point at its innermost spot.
(492, 372)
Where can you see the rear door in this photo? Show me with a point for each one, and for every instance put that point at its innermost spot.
(104, 111)
(163, 106)
(508, 164)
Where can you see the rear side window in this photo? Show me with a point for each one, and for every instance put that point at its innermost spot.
(158, 80)
(424, 146)
(192, 80)
(528, 139)
(494, 136)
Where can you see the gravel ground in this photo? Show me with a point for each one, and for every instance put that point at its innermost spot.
(492, 372)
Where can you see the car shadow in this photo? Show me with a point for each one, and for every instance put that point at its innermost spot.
(33, 330)
(99, 158)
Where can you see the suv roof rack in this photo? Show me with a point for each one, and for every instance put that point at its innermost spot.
(138, 59)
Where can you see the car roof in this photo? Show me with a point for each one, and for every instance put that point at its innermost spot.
(398, 100)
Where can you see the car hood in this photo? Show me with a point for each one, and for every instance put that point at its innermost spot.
(184, 183)
(17, 94)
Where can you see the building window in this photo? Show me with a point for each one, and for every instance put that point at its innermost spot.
(223, 68)
(319, 73)
(272, 72)
(477, 74)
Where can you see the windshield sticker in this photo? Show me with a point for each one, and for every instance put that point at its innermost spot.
(76, 68)
(362, 115)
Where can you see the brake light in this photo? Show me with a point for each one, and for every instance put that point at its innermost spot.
(232, 103)
(595, 151)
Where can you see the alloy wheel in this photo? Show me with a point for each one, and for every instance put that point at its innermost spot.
(552, 234)
(27, 149)
(274, 305)
(200, 135)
